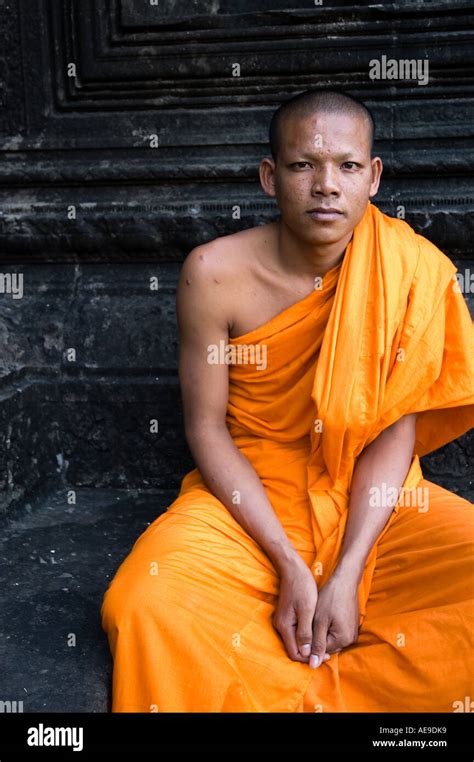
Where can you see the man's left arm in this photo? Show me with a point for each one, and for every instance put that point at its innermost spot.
(383, 465)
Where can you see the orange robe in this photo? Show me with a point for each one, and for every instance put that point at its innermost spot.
(189, 612)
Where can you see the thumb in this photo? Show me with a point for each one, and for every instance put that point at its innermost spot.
(318, 645)
(333, 643)
(304, 633)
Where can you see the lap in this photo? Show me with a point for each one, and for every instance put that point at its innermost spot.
(193, 554)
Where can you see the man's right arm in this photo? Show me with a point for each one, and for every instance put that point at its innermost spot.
(203, 319)
(203, 315)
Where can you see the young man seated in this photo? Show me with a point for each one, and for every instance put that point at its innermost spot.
(307, 564)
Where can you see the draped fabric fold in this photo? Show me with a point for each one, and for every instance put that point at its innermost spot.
(399, 340)
(387, 334)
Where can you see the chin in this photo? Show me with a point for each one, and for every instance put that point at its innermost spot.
(325, 236)
(318, 234)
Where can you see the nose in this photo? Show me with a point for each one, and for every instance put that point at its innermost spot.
(326, 181)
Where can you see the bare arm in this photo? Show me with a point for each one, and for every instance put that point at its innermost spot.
(385, 461)
(203, 319)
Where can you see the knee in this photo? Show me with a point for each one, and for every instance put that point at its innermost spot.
(109, 607)
(115, 604)
(125, 596)
(134, 593)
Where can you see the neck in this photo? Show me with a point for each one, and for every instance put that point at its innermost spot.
(301, 258)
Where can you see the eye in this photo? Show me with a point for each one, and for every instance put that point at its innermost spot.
(353, 163)
(300, 163)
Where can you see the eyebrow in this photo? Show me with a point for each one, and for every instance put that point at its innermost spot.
(338, 156)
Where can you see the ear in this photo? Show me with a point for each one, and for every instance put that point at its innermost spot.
(377, 169)
(267, 170)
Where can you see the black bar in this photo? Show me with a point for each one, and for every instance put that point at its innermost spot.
(427, 734)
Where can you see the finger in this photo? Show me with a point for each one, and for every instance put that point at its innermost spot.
(318, 645)
(304, 630)
(333, 644)
(286, 628)
(289, 639)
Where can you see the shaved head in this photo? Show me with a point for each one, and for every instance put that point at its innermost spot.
(309, 102)
(322, 173)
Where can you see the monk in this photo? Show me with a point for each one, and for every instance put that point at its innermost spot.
(307, 565)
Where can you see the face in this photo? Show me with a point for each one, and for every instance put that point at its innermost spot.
(323, 164)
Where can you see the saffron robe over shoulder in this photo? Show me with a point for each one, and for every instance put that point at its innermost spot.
(386, 335)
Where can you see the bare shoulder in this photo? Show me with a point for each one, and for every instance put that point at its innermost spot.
(215, 273)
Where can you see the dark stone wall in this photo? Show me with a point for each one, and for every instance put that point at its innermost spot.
(126, 139)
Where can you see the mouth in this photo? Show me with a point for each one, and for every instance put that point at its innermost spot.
(325, 214)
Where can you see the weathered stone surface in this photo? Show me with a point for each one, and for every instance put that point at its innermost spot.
(139, 120)
(451, 466)
(56, 561)
(98, 433)
(88, 360)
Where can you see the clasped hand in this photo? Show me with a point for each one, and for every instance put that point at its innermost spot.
(315, 624)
